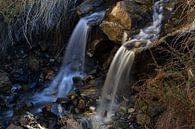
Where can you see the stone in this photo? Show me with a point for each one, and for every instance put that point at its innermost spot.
(58, 110)
(126, 18)
(87, 6)
(92, 109)
(12, 126)
(113, 30)
(120, 15)
(78, 81)
(117, 21)
(23, 121)
(5, 82)
(96, 82)
(131, 110)
(15, 88)
(88, 78)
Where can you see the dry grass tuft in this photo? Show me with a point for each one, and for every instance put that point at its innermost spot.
(172, 85)
(39, 16)
(182, 14)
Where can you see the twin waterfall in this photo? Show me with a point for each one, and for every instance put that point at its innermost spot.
(119, 71)
(118, 74)
(73, 63)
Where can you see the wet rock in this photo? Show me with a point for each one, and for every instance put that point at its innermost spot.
(94, 46)
(81, 104)
(88, 6)
(29, 121)
(62, 100)
(32, 85)
(5, 82)
(12, 126)
(107, 63)
(58, 110)
(19, 75)
(99, 49)
(96, 82)
(88, 78)
(78, 81)
(23, 121)
(16, 88)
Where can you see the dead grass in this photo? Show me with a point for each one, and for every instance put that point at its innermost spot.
(182, 14)
(180, 113)
(52, 16)
(172, 85)
(10, 9)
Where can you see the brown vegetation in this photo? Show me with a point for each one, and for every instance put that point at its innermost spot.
(172, 85)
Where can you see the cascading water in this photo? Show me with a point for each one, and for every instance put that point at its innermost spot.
(120, 68)
(73, 63)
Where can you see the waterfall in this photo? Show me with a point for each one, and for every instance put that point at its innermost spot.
(73, 63)
(118, 74)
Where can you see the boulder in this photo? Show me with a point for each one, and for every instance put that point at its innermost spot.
(114, 31)
(117, 21)
(125, 17)
(88, 6)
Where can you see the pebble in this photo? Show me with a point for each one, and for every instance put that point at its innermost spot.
(131, 110)
(92, 109)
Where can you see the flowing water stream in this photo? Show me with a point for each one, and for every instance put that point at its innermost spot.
(73, 63)
(120, 67)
